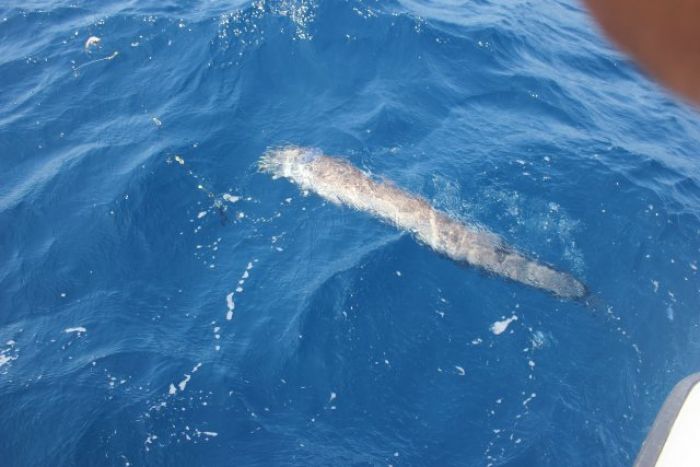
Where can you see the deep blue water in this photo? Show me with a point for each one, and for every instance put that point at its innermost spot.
(348, 338)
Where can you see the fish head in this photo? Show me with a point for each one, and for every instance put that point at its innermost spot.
(285, 161)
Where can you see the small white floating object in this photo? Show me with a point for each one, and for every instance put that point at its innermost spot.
(78, 329)
(183, 384)
(201, 214)
(179, 160)
(231, 198)
(460, 370)
(332, 398)
(231, 306)
(92, 41)
(157, 121)
(499, 327)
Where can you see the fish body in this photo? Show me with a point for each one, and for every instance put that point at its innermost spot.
(341, 183)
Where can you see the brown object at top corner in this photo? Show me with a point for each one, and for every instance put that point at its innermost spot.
(663, 35)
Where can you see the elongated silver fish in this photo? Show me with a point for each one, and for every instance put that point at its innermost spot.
(341, 183)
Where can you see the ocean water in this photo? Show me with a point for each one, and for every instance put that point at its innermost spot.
(134, 222)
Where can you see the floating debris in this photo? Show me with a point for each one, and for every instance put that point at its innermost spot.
(499, 327)
(92, 41)
(231, 198)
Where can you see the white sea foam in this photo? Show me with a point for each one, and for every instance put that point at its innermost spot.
(529, 399)
(92, 41)
(231, 306)
(182, 385)
(149, 440)
(8, 354)
(499, 327)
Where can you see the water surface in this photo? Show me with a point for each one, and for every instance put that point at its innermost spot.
(349, 344)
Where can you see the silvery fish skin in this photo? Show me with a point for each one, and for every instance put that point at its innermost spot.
(341, 183)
